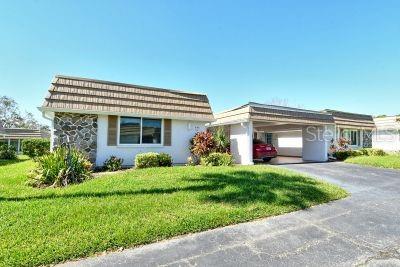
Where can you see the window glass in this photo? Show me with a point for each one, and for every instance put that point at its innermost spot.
(353, 136)
(151, 132)
(14, 143)
(129, 130)
(268, 138)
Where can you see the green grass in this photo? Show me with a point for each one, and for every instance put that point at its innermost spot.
(389, 161)
(44, 226)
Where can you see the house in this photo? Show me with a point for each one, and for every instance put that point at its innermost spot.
(294, 132)
(356, 128)
(106, 118)
(387, 133)
(14, 136)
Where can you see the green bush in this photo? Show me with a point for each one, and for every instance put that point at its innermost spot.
(146, 160)
(221, 140)
(164, 160)
(152, 159)
(35, 147)
(7, 152)
(342, 154)
(60, 168)
(217, 159)
(113, 163)
(373, 152)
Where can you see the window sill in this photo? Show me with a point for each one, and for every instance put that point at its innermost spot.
(140, 146)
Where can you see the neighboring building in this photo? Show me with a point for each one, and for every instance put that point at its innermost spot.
(294, 132)
(14, 136)
(106, 118)
(387, 133)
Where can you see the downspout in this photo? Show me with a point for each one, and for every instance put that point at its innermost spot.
(51, 119)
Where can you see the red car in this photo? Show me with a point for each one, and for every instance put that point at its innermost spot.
(263, 151)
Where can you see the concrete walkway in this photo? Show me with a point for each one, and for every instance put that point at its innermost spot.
(362, 230)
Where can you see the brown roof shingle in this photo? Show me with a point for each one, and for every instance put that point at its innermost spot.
(87, 95)
(347, 119)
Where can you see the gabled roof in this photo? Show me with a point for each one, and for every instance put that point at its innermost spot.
(81, 95)
(347, 119)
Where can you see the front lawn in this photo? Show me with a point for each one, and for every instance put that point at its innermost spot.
(389, 161)
(44, 226)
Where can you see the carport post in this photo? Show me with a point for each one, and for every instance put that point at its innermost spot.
(242, 142)
(315, 143)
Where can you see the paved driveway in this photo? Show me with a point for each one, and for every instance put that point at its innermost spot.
(363, 229)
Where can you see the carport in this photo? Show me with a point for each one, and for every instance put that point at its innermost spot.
(295, 132)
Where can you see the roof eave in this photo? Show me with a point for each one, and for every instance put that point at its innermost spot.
(48, 109)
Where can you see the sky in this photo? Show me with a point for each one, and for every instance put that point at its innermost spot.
(342, 55)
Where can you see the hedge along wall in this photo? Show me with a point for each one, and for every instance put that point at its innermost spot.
(81, 130)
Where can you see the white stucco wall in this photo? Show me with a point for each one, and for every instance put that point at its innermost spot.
(315, 143)
(387, 134)
(182, 132)
(288, 143)
(388, 140)
(241, 137)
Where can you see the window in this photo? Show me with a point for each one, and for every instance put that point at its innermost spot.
(129, 130)
(134, 130)
(353, 136)
(268, 138)
(151, 132)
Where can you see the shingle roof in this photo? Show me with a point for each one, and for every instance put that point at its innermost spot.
(19, 133)
(346, 119)
(73, 94)
(262, 112)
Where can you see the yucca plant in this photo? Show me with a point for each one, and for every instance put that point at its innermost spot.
(221, 140)
(61, 167)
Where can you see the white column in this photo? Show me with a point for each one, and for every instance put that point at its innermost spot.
(241, 138)
(315, 143)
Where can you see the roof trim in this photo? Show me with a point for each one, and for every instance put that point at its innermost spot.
(254, 104)
(97, 112)
(123, 84)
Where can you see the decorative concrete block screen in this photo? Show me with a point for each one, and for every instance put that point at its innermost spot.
(79, 129)
(367, 138)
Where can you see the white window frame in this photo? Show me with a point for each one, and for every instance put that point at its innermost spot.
(141, 130)
(359, 136)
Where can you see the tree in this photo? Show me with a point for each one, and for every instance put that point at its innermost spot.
(10, 116)
(9, 113)
(284, 102)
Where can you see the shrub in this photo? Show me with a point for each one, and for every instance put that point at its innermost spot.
(202, 144)
(62, 167)
(221, 141)
(164, 160)
(35, 147)
(193, 161)
(342, 154)
(217, 159)
(113, 163)
(373, 152)
(152, 159)
(7, 152)
(146, 160)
